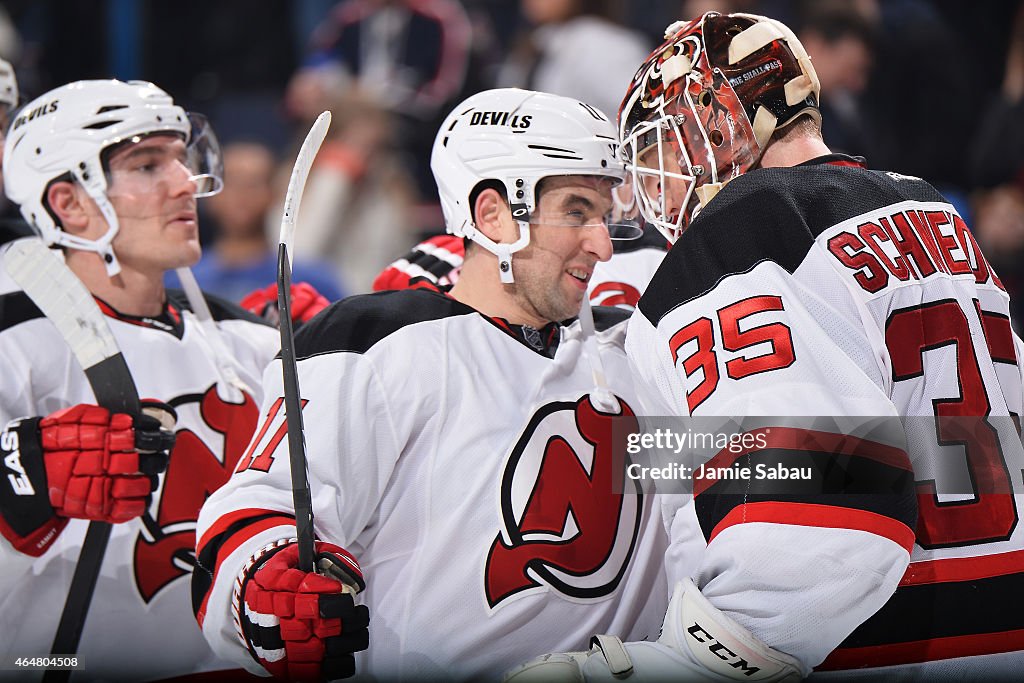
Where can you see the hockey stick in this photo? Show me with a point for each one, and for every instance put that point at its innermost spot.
(301, 497)
(230, 386)
(65, 301)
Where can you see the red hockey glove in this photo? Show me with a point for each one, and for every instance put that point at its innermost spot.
(81, 462)
(306, 302)
(437, 259)
(302, 626)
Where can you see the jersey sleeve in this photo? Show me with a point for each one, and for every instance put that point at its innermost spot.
(437, 259)
(16, 401)
(778, 347)
(36, 366)
(352, 445)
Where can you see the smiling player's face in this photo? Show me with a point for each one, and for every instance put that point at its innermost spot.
(568, 237)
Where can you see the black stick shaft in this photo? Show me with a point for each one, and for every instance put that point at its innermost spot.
(112, 383)
(301, 496)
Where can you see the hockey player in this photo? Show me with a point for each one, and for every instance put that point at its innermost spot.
(109, 172)
(458, 446)
(803, 284)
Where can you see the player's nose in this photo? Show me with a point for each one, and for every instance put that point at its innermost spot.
(597, 241)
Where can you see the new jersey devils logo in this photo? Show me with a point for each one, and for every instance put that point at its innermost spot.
(166, 549)
(565, 527)
(615, 294)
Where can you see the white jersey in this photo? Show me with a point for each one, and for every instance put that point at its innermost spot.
(621, 280)
(828, 290)
(460, 459)
(140, 625)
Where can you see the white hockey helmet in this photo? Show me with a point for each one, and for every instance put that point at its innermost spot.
(8, 85)
(63, 135)
(516, 137)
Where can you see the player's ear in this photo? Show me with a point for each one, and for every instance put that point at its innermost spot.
(493, 217)
(67, 202)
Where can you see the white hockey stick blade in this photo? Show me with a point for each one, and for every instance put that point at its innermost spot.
(297, 182)
(65, 301)
(301, 496)
(62, 298)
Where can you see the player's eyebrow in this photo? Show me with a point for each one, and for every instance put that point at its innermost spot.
(572, 200)
(161, 148)
(585, 203)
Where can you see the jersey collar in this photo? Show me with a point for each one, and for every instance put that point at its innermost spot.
(837, 160)
(168, 321)
(542, 340)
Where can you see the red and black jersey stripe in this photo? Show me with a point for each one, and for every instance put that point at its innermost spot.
(854, 483)
(223, 538)
(431, 260)
(16, 308)
(942, 609)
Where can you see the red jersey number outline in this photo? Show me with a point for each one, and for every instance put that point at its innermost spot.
(735, 340)
(265, 459)
(992, 514)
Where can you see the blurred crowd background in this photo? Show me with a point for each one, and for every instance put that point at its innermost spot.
(931, 88)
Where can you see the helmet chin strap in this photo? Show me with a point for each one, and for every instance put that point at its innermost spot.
(504, 254)
(706, 192)
(500, 249)
(95, 185)
(104, 245)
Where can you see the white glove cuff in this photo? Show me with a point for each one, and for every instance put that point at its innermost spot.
(703, 633)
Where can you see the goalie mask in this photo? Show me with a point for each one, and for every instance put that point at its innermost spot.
(703, 107)
(68, 134)
(517, 138)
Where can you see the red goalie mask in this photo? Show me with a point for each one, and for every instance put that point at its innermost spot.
(702, 108)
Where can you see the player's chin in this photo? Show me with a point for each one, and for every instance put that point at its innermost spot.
(186, 256)
(569, 307)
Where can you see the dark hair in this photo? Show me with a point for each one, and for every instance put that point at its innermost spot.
(804, 124)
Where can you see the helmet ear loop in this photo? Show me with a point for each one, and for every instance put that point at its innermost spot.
(504, 253)
(503, 250)
(95, 183)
